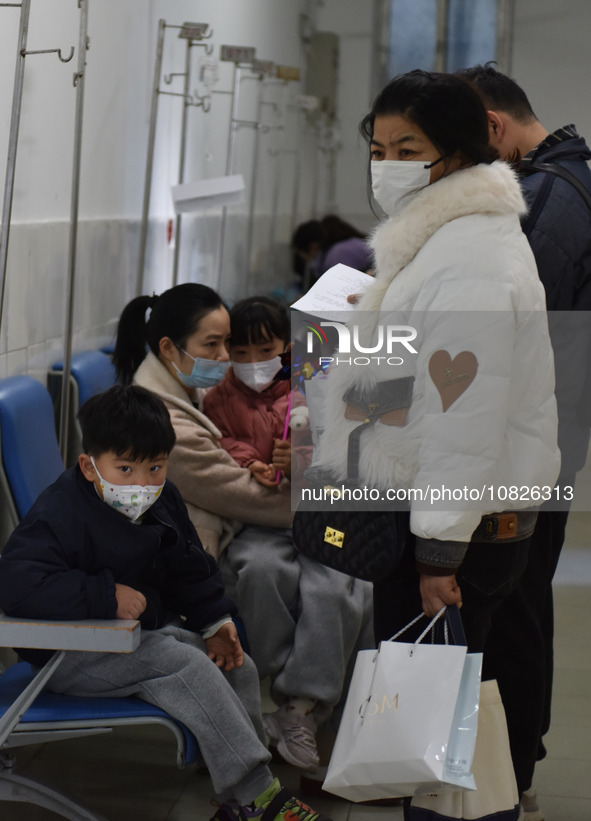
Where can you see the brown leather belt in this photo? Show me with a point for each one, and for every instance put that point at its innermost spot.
(511, 526)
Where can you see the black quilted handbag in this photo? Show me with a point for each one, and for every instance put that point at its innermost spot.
(360, 543)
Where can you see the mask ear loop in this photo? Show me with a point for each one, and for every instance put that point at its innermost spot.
(194, 358)
(435, 162)
(102, 481)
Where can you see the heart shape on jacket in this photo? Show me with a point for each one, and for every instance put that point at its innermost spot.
(452, 376)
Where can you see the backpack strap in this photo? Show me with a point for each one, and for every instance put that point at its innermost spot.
(542, 196)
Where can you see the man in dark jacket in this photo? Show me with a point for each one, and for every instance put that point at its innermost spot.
(111, 539)
(556, 181)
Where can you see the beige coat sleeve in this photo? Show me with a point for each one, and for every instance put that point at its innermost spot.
(209, 478)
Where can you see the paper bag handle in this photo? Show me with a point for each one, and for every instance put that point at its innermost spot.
(453, 626)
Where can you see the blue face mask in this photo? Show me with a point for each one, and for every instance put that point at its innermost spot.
(205, 374)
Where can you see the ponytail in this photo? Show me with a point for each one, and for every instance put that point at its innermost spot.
(130, 345)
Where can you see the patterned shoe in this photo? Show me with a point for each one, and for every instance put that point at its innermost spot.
(275, 804)
(294, 735)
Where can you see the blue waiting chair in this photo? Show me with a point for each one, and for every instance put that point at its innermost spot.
(30, 460)
(91, 372)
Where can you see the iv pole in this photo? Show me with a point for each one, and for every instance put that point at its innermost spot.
(13, 142)
(83, 46)
(25, 7)
(193, 33)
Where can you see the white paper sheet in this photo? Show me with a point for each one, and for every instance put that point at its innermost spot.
(327, 298)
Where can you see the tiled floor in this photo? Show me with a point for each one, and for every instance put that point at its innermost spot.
(131, 776)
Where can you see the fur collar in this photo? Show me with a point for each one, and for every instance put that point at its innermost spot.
(480, 189)
(155, 377)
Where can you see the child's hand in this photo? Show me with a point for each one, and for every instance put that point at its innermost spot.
(264, 474)
(130, 602)
(224, 647)
(282, 456)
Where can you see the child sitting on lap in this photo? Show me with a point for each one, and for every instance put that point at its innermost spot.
(304, 620)
(111, 539)
(250, 406)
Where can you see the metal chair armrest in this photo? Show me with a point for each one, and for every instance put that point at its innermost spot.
(100, 635)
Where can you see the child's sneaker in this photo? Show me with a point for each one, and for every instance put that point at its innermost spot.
(294, 735)
(275, 804)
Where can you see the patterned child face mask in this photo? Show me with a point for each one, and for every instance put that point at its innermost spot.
(130, 500)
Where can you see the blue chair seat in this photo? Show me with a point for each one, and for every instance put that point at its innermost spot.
(51, 707)
(93, 372)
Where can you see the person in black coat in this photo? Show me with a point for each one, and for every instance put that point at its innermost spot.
(112, 539)
(556, 182)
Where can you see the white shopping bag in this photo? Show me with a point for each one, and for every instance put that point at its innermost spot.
(496, 795)
(397, 723)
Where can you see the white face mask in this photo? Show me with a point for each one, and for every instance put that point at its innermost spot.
(395, 182)
(257, 375)
(131, 500)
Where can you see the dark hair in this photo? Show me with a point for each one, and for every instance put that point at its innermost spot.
(498, 92)
(326, 232)
(445, 108)
(126, 419)
(176, 313)
(256, 320)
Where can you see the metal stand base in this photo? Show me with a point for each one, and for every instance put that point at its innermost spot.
(26, 790)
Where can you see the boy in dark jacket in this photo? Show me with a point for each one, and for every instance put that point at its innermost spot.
(111, 539)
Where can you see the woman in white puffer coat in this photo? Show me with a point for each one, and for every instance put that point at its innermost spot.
(453, 265)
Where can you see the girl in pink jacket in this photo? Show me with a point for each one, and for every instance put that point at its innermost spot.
(251, 406)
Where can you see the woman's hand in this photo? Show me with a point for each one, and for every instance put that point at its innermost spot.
(437, 592)
(224, 647)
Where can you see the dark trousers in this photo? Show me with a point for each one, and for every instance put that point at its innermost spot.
(489, 573)
(519, 648)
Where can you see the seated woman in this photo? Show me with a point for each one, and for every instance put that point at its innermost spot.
(186, 333)
(320, 244)
(245, 523)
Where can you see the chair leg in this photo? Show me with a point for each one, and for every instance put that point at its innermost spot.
(27, 790)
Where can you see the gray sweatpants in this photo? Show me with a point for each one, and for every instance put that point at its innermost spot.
(303, 620)
(171, 669)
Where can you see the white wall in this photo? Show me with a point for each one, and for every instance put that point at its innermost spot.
(116, 117)
(552, 60)
(353, 21)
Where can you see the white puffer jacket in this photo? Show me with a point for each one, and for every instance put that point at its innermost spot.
(455, 265)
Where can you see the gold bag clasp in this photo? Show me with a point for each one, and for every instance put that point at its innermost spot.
(334, 537)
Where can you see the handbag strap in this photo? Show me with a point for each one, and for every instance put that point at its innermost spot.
(453, 620)
(353, 449)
